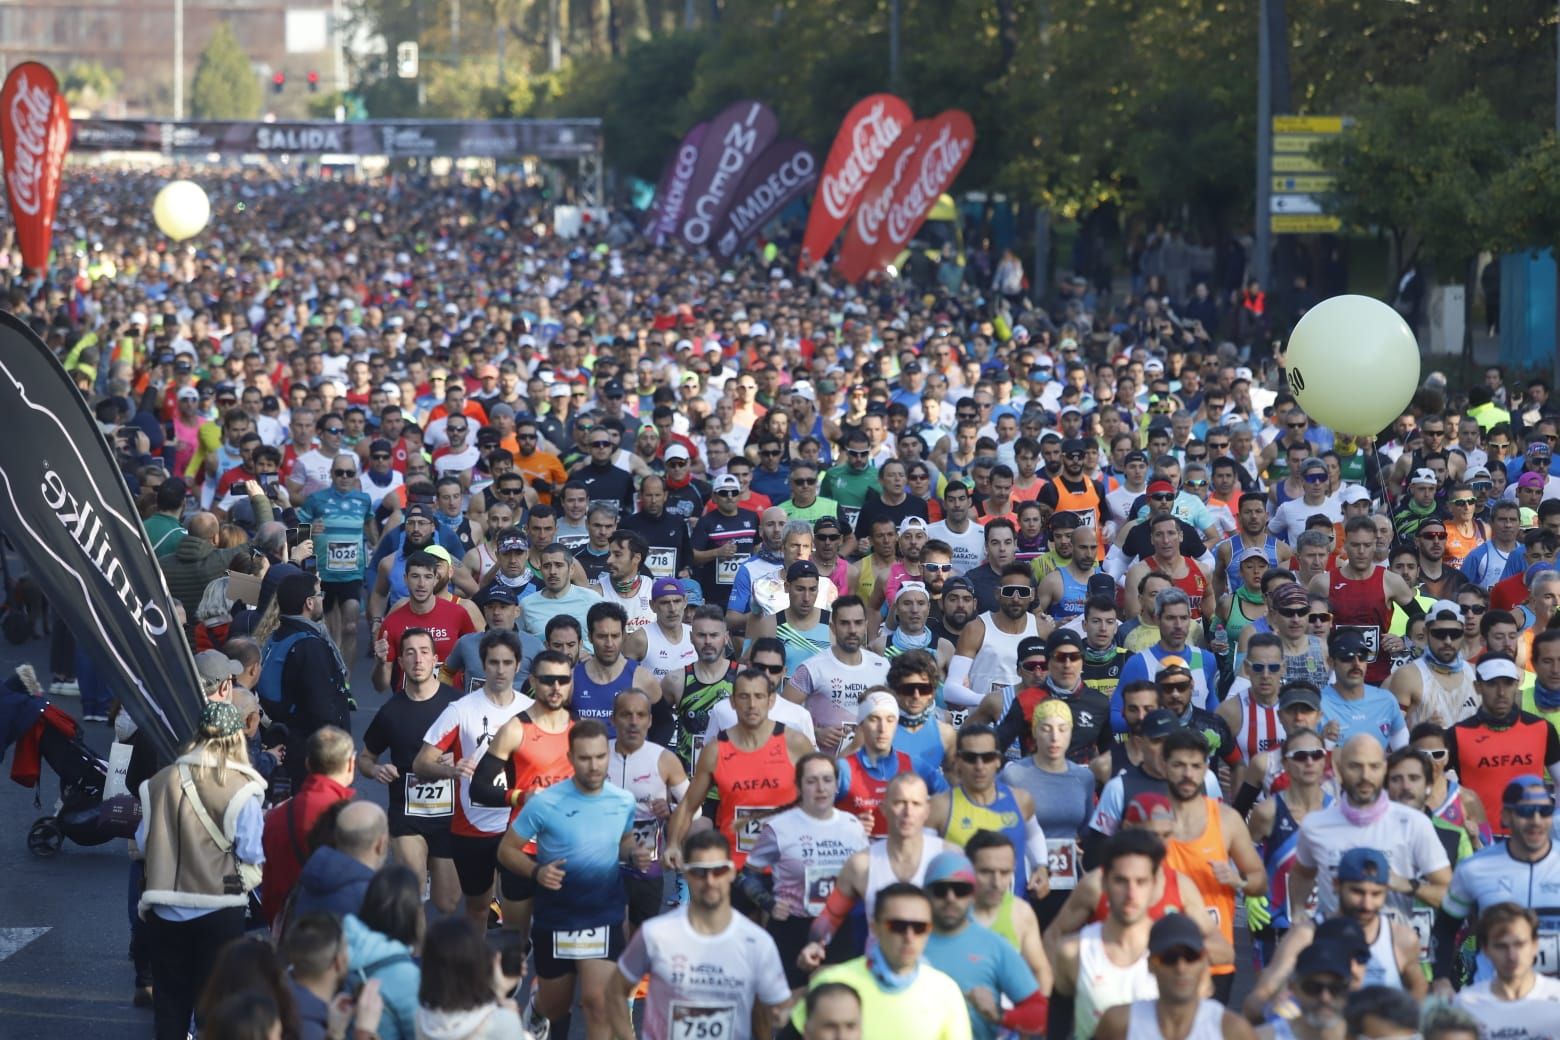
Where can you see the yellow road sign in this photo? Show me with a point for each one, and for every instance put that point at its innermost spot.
(1303, 224)
(1296, 164)
(1308, 124)
(1303, 184)
(1298, 143)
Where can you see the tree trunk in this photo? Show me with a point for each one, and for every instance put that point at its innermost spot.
(1470, 282)
(1007, 32)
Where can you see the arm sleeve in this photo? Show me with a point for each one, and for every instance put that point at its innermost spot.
(1014, 978)
(491, 784)
(1034, 845)
(1011, 726)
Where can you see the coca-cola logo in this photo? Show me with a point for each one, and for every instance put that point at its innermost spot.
(873, 211)
(871, 139)
(939, 162)
(29, 113)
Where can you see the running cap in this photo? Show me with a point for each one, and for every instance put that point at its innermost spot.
(1498, 667)
(1527, 789)
(1029, 646)
(1364, 865)
(1158, 724)
(1146, 808)
(949, 866)
(664, 587)
(1175, 932)
(1424, 478)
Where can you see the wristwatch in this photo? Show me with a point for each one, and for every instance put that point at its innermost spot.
(1413, 886)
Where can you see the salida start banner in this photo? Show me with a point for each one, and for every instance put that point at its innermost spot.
(65, 507)
(865, 136)
(34, 134)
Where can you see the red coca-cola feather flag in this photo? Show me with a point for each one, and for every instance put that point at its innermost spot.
(866, 222)
(865, 136)
(945, 146)
(34, 134)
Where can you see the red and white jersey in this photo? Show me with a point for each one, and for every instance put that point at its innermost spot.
(465, 728)
(1259, 729)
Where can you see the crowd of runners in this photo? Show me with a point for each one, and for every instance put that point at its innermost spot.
(756, 655)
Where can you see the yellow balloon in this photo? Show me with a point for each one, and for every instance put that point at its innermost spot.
(181, 209)
(1353, 364)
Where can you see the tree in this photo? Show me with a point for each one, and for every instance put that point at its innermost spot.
(225, 85)
(1422, 171)
(90, 84)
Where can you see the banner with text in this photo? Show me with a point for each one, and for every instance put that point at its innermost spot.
(671, 194)
(869, 129)
(866, 223)
(397, 138)
(784, 172)
(945, 148)
(34, 134)
(65, 507)
(734, 141)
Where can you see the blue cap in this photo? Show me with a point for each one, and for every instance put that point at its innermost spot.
(694, 593)
(1364, 865)
(949, 866)
(1526, 789)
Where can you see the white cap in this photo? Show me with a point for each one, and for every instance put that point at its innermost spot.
(1243, 373)
(875, 703)
(1441, 608)
(1153, 364)
(1350, 494)
(674, 451)
(558, 390)
(1424, 478)
(911, 523)
(727, 482)
(138, 318)
(1498, 668)
(188, 393)
(684, 344)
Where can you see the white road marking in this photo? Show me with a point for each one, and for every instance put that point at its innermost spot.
(13, 939)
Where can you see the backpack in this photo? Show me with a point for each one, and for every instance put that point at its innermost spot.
(272, 660)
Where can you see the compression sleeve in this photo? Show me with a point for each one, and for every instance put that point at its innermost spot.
(757, 886)
(835, 910)
(959, 669)
(678, 791)
(1034, 846)
(1030, 1016)
(1413, 608)
(1246, 798)
(959, 695)
(490, 784)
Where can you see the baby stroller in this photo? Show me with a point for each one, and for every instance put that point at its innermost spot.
(42, 734)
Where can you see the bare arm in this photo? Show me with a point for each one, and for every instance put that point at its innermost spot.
(698, 790)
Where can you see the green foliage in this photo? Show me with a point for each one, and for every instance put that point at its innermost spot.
(225, 85)
(90, 84)
(1525, 199)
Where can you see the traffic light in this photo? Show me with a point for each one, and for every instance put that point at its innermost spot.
(314, 82)
(278, 82)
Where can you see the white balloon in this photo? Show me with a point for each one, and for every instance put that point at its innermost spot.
(1353, 364)
(181, 209)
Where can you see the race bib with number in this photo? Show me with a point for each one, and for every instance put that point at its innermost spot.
(702, 1021)
(586, 944)
(746, 822)
(818, 885)
(1423, 923)
(342, 555)
(1369, 634)
(1548, 953)
(726, 568)
(851, 515)
(647, 836)
(427, 798)
(662, 561)
(1061, 861)
(1307, 913)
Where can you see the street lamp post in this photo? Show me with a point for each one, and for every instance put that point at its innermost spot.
(1261, 238)
(178, 59)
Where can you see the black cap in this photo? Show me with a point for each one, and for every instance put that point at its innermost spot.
(496, 593)
(911, 366)
(959, 581)
(1029, 646)
(1063, 637)
(1135, 456)
(1072, 444)
(1175, 932)
(827, 523)
(1302, 693)
(801, 569)
(1158, 724)
(612, 389)
(1101, 585)
(380, 444)
(419, 511)
(1346, 640)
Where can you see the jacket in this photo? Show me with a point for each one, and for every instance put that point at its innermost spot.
(372, 955)
(488, 1022)
(333, 882)
(192, 566)
(286, 840)
(185, 867)
(313, 687)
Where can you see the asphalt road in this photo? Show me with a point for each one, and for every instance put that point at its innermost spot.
(64, 926)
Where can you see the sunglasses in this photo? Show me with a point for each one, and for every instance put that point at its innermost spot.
(1431, 536)
(901, 927)
(1196, 483)
(1305, 755)
(1196, 458)
(1350, 655)
(1034, 666)
(551, 680)
(1446, 634)
(915, 689)
(803, 481)
(525, 436)
(769, 454)
(1072, 454)
(379, 456)
(1295, 612)
(669, 462)
(1531, 812)
(857, 454)
(1162, 498)
(1475, 608)
(1067, 658)
(1464, 501)
(937, 568)
(706, 871)
(1176, 687)
(983, 757)
(1016, 591)
(957, 889)
(1265, 669)
(511, 491)
(1316, 987)
(1315, 478)
(601, 444)
(726, 494)
(1432, 433)
(335, 430)
(1296, 425)
(828, 537)
(343, 472)
(1436, 754)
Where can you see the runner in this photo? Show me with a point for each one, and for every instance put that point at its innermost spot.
(751, 769)
(791, 871)
(341, 518)
(722, 540)
(1178, 962)
(1062, 793)
(830, 684)
(1438, 686)
(1500, 742)
(657, 780)
(669, 641)
(606, 671)
(1064, 592)
(921, 731)
(1517, 1001)
(864, 775)
(911, 611)
(986, 655)
(1185, 572)
(558, 596)
(626, 583)
(420, 810)
(1362, 595)
(696, 688)
(452, 749)
(980, 801)
(1275, 828)
(584, 833)
(801, 625)
(444, 620)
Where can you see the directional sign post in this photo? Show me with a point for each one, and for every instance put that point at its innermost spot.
(1297, 180)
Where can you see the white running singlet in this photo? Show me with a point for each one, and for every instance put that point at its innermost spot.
(1102, 984)
(664, 656)
(997, 662)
